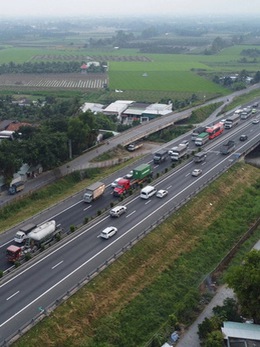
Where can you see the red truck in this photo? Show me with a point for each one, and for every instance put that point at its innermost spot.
(14, 253)
(140, 174)
(122, 186)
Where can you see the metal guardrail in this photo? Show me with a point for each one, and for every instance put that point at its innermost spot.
(45, 312)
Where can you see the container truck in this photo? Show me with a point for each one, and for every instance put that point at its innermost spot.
(227, 147)
(22, 233)
(160, 156)
(197, 132)
(94, 191)
(178, 152)
(202, 139)
(140, 174)
(232, 121)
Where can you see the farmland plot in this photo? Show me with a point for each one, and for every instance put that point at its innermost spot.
(49, 81)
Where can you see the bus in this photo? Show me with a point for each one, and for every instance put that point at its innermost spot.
(215, 130)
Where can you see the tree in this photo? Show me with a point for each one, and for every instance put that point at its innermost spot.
(10, 160)
(245, 281)
(214, 339)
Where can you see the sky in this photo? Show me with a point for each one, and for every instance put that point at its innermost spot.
(114, 8)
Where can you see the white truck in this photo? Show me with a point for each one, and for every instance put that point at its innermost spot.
(246, 113)
(232, 121)
(22, 233)
(202, 139)
(42, 234)
(178, 152)
(134, 146)
(94, 191)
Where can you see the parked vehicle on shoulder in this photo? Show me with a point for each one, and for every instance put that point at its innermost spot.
(255, 121)
(243, 138)
(117, 211)
(196, 172)
(162, 193)
(108, 232)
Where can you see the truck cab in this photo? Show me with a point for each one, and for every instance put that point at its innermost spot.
(122, 186)
(13, 253)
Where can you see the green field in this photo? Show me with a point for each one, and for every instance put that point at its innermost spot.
(165, 72)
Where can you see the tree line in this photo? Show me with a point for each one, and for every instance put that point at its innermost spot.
(50, 67)
(55, 124)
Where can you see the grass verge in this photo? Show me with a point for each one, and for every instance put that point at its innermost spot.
(129, 302)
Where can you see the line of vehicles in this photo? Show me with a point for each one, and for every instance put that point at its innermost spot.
(32, 237)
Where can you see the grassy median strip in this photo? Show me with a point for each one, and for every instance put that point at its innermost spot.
(159, 277)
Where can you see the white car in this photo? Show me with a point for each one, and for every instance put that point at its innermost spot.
(196, 172)
(129, 174)
(161, 193)
(255, 121)
(114, 184)
(108, 232)
(117, 211)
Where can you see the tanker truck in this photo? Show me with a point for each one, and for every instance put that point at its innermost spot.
(36, 238)
(42, 235)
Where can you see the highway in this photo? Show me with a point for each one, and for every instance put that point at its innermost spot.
(35, 287)
(73, 211)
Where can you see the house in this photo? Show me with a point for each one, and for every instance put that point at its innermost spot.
(145, 112)
(117, 108)
(241, 334)
(134, 112)
(95, 108)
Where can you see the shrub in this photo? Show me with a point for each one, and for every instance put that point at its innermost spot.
(72, 228)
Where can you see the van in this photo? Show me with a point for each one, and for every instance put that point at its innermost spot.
(117, 211)
(147, 192)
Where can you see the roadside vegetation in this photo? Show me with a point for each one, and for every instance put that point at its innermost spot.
(153, 289)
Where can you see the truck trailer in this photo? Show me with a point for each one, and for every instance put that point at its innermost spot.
(202, 139)
(227, 147)
(140, 174)
(22, 233)
(178, 152)
(94, 191)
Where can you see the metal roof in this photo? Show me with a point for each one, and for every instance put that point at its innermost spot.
(241, 330)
